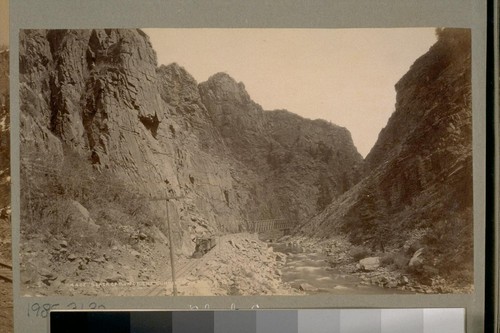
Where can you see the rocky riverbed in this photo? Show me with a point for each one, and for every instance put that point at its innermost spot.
(240, 264)
(370, 274)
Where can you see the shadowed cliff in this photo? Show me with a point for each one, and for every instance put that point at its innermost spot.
(417, 192)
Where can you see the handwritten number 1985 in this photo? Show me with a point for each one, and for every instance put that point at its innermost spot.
(42, 310)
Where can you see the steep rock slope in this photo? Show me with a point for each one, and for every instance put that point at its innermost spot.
(303, 164)
(98, 97)
(100, 93)
(418, 189)
(107, 136)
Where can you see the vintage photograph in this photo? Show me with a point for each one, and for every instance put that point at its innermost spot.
(177, 162)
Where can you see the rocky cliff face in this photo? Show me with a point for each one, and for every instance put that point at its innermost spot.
(418, 188)
(430, 82)
(97, 98)
(302, 164)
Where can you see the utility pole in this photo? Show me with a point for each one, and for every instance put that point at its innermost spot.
(172, 265)
(171, 244)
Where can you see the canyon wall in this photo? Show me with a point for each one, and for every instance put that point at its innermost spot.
(417, 190)
(99, 98)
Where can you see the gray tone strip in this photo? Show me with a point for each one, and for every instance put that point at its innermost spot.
(360, 321)
(151, 322)
(277, 321)
(444, 321)
(193, 321)
(319, 321)
(235, 321)
(398, 320)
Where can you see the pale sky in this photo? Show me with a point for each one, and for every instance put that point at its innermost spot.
(345, 76)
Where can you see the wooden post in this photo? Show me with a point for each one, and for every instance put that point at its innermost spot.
(169, 231)
(172, 265)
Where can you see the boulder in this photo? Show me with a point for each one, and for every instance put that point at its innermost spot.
(392, 284)
(30, 274)
(370, 263)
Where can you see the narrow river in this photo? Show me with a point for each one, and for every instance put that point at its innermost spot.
(312, 271)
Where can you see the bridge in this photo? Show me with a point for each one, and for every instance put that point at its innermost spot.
(282, 224)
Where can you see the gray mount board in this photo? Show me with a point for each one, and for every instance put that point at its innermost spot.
(262, 14)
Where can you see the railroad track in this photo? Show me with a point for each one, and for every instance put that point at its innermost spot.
(5, 271)
(188, 267)
(182, 271)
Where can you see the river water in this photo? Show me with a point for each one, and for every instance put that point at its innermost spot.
(313, 271)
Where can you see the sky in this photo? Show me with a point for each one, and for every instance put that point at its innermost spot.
(345, 76)
(4, 22)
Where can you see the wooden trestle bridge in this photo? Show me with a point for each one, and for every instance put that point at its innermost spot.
(285, 225)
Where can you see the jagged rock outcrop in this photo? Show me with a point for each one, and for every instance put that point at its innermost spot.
(303, 164)
(418, 187)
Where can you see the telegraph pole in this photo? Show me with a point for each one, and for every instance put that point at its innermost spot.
(171, 244)
(172, 265)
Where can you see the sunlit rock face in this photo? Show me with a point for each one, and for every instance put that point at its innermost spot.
(98, 96)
